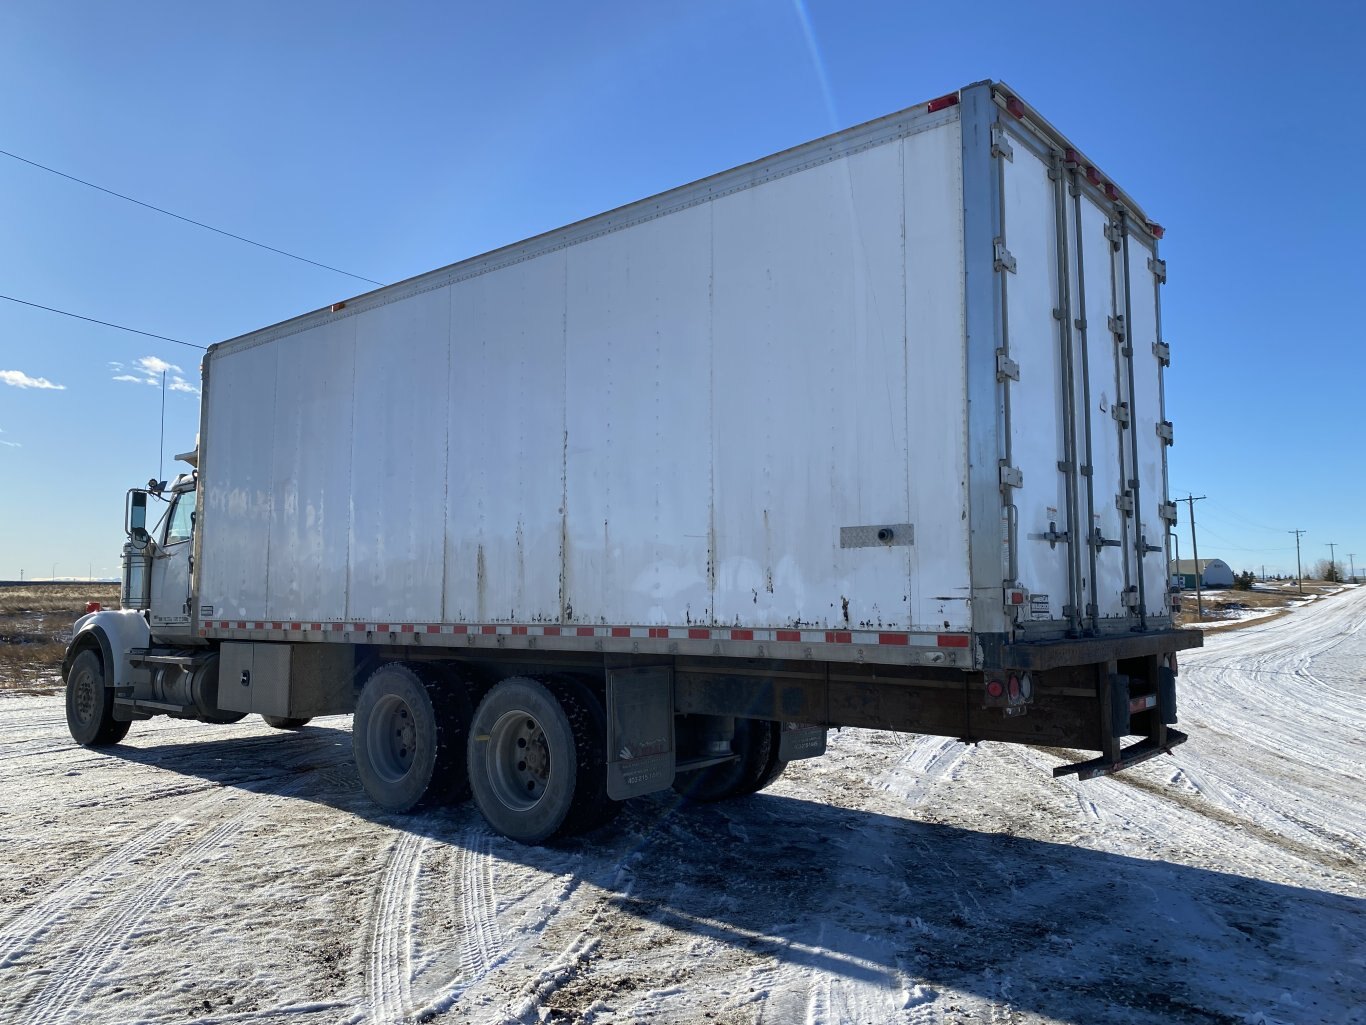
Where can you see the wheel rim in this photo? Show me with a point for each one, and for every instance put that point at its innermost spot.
(518, 760)
(84, 692)
(392, 738)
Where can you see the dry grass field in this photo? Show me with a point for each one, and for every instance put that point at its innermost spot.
(35, 624)
(1228, 609)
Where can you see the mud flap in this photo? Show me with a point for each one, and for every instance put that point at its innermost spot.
(800, 740)
(1166, 695)
(640, 731)
(1119, 705)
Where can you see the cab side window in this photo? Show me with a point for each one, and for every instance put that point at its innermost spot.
(181, 524)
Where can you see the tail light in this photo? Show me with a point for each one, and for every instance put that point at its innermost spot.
(93, 606)
(995, 689)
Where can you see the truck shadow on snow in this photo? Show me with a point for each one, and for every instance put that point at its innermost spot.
(878, 910)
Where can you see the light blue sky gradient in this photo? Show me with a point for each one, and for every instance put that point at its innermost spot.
(393, 139)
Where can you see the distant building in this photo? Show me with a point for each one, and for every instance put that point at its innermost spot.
(1213, 573)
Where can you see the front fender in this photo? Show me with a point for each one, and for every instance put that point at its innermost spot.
(114, 632)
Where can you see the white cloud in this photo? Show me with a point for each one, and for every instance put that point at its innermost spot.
(19, 379)
(9, 444)
(148, 370)
(152, 365)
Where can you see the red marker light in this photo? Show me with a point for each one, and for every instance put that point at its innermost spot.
(995, 689)
(93, 606)
(1111, 191)
(1015, 107)
(1071, 156)
(951, 100)
(1157, 230)
(1092, 175)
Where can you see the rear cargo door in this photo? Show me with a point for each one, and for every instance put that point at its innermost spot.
(1114, 276)
(1037, 478)
(1083, 480)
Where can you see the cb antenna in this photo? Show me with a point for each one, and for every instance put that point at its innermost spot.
(161, 451)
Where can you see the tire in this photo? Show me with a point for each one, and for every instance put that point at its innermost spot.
(528, 799)
(587, 718)
(90, 704)
(409, 738)
(284, 722)
(753, 743)
(770, 768)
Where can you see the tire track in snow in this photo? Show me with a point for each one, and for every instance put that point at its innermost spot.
(878, 991)
(389, 968)
(89, 955)
(482, 946)
(29, 926)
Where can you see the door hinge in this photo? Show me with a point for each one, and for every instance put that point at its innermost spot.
(1167, 512)
(1054, 537)
(1004, 261)
(1006, 368)
(1159, 269)
(1130, 598)
(1164, 431)
(1163, 352)
(1120, 411)
(1011, 477)
(1144, 546)
(1125, 503)
(1114, 231)
(1000, 147)
(1116, 325)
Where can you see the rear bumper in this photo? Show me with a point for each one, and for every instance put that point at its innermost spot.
(1128, 756)
(1091, 650)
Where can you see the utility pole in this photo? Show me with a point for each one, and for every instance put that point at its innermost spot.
(1352, 558)
(1190, 501)
(1299, 573)
(1333, 561)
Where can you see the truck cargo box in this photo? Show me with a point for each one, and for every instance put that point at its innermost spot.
(892, 396)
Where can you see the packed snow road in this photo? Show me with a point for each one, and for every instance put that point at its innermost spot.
(237, 874)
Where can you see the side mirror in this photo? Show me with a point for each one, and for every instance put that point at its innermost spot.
(135, 519)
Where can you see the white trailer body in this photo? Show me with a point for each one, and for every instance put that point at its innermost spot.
(698, 410)
(889, 399)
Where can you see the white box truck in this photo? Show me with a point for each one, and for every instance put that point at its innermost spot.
(870, 432)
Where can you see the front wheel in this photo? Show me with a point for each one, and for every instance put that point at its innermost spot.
(90, 704)
(284, 722)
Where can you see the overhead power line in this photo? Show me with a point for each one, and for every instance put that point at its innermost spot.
(106, 323)
(181, 217)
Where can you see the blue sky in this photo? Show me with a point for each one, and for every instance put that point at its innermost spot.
(389, 140)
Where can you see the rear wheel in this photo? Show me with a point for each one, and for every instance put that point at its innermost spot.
(90, 704)
(764, 772)
(409, 737)
(587, 718)
(754, 743)
(284, 722)
(524, 760)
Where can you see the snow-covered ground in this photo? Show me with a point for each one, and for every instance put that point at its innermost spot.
(236, 874)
